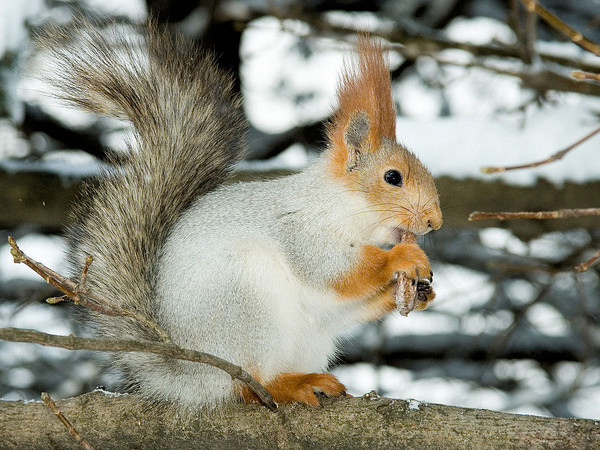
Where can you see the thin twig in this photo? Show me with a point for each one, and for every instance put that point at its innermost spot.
(585, 75)
(555, 157)
(541, 80)
(70, 428)
(422, 44)
(558, 214)
(587, 264)
(84, 272)
(559, 25)
(412, 46)
(159, 348)
(79, 294)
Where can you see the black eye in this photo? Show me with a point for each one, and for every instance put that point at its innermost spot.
(393, 177)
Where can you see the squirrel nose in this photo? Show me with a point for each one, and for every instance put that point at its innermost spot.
(434, 222)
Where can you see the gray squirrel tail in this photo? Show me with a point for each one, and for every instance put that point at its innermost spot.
(189, 131)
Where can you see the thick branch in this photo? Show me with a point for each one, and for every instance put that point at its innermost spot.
(126, 421)
(165, 349)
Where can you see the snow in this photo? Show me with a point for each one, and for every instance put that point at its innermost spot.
(502, 239)
(109, 393)
(361, 378)
(276, 75)
(13, 15)
(557, 246)
(459, 289)
(548, 320)
(475, 324)
(413, 405)
(294, 157)
(400, 383)
(585, 400)
(520, 292)
(566, 49)
(11, 144)
(479, 31)
(416, 98)
(134, 9)
(39, 316)
(13, 356)
(19, 377)
(69, 165)
(365, 21)
(419, 323)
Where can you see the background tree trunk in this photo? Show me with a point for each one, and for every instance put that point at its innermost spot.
(44, 199)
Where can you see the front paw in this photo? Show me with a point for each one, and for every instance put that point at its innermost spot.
(424, 295)
(412, 262)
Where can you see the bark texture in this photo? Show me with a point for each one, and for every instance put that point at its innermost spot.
(127, 421)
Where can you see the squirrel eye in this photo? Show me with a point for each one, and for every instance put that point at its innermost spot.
(393, 177)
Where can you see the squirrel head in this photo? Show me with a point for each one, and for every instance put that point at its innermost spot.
(363, 153)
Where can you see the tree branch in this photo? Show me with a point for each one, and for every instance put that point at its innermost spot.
(60, 416)
(159, 348)
(555, 157)
(78, 293)
(419, 43)
(585, 75)
(413, 46)
(127, 421)
(587, 264)
(559, 25)
(559, 214)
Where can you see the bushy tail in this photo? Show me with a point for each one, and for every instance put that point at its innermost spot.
(188, 134)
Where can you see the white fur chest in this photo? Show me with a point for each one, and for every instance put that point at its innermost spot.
(306, 320)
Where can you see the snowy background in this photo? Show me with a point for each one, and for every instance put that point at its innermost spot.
(523, 340)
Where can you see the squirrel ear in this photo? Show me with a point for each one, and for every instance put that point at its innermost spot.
(356, 137)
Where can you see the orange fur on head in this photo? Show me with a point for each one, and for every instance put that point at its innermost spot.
(365, 87)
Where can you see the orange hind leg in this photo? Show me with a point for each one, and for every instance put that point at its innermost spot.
(298, 388)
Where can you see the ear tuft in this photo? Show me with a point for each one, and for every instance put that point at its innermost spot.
(366, 111)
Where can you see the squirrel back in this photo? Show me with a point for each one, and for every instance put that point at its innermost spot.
(189, 132)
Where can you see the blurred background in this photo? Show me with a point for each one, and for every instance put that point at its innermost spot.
(476, 83)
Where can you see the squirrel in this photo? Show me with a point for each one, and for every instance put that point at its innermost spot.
(265, 274)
